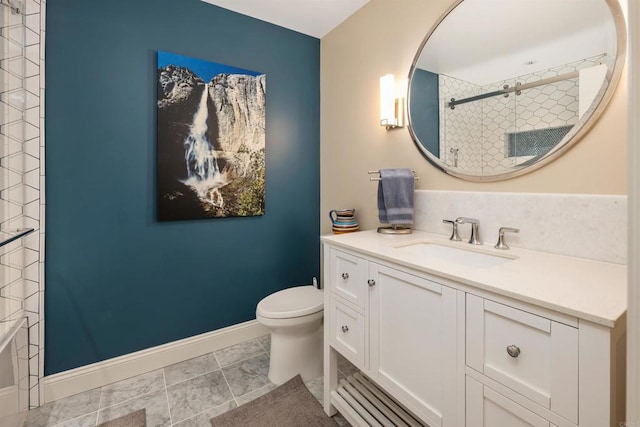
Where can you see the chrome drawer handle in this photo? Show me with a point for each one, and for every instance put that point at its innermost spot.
(513, 350)
(345, 329)
(371, 282)
(345, 276)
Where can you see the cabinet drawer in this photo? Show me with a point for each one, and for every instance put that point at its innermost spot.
(531, 355)
(348, 277)
(347, 333)
(487, 408)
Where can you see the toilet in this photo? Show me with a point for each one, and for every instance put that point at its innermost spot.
(294, 318)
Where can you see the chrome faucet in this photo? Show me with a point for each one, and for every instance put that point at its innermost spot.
(474, 238)
(501, 243)
(454, 232)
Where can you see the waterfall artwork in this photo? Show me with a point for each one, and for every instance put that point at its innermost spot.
(211, 139)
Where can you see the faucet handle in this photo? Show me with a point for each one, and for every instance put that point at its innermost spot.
(501, 243)
(474, 239)
(454, 231)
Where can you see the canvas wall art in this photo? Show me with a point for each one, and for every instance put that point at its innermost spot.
(211, 139)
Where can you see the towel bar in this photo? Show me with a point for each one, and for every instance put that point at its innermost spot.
(377, 178)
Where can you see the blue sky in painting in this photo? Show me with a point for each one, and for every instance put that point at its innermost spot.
(206, 70)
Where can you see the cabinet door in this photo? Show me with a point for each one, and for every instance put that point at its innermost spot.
(413, 342)
(531, 355)
(487, 408)
(348, 277)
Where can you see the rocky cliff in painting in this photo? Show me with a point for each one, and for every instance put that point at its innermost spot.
(211, 144)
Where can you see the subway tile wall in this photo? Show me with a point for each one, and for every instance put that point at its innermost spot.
(22, 37)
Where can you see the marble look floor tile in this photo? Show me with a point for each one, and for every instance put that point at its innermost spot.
(248, 375)
(154, 404)
(345, 367)
(12, 420)
(190, 369)
(248, 397)
(238, 352)
(196, 395)
(204, 419)
(340, 420)
(316, 387)
(88, 420)
(121, 391)
(265, 342)
(63, 410)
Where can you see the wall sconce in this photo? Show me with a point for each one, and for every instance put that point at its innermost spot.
(391, 108)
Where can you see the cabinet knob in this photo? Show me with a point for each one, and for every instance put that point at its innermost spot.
(513, 351)
(345, 329)
(345, 276)
(371, 282)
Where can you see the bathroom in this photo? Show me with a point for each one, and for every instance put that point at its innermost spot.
(116, 281)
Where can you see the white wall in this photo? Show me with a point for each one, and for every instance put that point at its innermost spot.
(633, 314)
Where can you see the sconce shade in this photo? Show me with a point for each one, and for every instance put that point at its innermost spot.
(391, 108)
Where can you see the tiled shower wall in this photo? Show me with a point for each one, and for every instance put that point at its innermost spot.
(22, 199)
(462, 127)
(490, 120)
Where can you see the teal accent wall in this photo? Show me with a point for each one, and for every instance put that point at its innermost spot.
(425, 109)
(117, 280)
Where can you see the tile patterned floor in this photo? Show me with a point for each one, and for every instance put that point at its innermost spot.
(187, 394)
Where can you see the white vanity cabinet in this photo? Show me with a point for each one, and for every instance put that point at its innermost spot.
(397, 328)
(456, 354)
(412, 342)
(532, 355)
(485, 407)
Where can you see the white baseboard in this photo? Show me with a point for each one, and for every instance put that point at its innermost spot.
(98, 374)
(8, 401)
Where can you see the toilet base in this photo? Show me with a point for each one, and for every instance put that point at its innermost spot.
(296, 353)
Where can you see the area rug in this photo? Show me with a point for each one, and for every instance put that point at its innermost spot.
(134, 419)
(289, 405)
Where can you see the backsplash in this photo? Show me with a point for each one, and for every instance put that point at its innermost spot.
(580, 225)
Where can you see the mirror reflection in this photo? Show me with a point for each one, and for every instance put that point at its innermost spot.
(500, 85)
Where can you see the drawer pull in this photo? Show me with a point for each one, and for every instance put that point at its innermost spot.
(513, 350)
(371, 282)
(345, 329)
(345, 276)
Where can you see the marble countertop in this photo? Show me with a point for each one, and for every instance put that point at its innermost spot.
(586, 289)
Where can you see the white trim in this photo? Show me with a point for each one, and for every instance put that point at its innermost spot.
(633, 312)
(109, 371)
(9, 400)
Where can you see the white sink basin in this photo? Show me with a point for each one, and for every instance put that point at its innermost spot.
(458, 255)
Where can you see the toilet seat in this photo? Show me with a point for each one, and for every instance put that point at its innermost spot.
(292, 302)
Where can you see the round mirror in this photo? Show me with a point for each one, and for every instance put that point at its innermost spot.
(500, 88)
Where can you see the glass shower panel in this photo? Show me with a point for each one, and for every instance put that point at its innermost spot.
(461, 127)
(14, 376)
(545, 114)
(499, 117)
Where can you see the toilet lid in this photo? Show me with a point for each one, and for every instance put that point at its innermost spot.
(292, 302)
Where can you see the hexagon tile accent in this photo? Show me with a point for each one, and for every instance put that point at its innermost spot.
(22, 178)
(482, 131)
